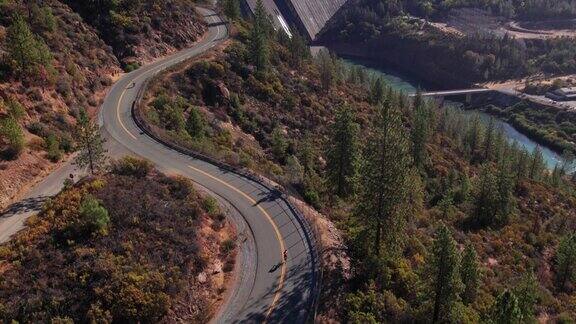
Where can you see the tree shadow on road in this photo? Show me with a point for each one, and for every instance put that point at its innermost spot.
(24, 206)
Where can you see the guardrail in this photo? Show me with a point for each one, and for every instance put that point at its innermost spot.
(310, 230)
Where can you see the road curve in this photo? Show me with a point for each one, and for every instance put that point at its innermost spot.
(279, 291)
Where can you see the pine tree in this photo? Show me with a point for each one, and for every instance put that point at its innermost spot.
(486, 198)
(443, 272)
(566, 260)
(294, 170)
(91, 145)
(259, 38)
(527, 292)
(327, 70)
(26, 52)
(298, 49)
(567, 162)
(506, 309)
(419, 132)
(536, 164)
(232, 9)
(383, 180)
(378, 91)
(195, 123)
(279, 144)
(473, 135)
(522, 163)
(505, 187)
(470, 274)
(556, 176)
(342, 153)
(12, 133)
(488, 144)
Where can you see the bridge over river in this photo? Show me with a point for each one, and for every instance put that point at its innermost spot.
(454, 93)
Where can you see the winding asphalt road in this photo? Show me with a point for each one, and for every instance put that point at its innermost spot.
(267, 289)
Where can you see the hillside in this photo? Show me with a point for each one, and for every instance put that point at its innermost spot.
(55, 63)
(132, 246)
(428, 41)
(139, 31)
(414, 189)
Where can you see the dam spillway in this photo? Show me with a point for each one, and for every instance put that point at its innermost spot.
(308, 16)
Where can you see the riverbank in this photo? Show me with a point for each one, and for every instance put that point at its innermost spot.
(484, 105)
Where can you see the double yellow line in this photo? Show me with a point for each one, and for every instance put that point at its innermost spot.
(248, 198)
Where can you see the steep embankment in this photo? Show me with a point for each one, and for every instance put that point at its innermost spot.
(142, 30)
(130, 246)
(54, 64)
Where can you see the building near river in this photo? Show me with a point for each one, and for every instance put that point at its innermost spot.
(562, 94)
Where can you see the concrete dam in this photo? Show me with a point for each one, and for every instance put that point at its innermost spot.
(308, 16)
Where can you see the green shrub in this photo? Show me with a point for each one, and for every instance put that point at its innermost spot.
(211, 206)
(11, 132)
(132, 66)
(94, 217)
(15, 109)
(227, 246)
(53, 148)
(131, 166)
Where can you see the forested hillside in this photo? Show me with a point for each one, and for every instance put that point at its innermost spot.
(130, 246)
(54, 62)
(443, 219)
(383, 31)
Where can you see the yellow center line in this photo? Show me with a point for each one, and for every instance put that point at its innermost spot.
(250, 199)
(158, 68)
(278, 235)
(118, 114)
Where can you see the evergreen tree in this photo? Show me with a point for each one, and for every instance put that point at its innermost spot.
(308, 156)
(566, 260)
(488, 144)
(53, 148)
(486, 198)
(474, 135)
(463, 193)
(470, 274)
(342, 153)
(383, 180)
(419, 132)
(91, 145)
(378, 91)
(506, 309)
(195, 124)
(443, 272)
(537, 164)
(26, 52)
(567, 162)
(298, 49)
(505, 197)
(294, 170)
(259, 38)
(522, 163)
(232, 9)
(528, 294)
(556, 176)
(279, 144)
(327, 70)
(11, 132)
